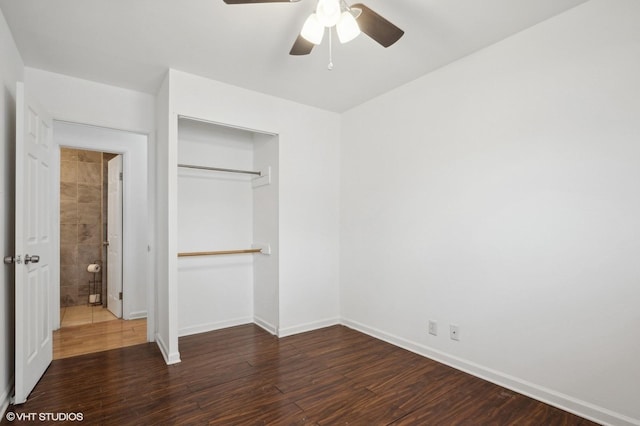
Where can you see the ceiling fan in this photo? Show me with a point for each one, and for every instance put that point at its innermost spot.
(348, 20)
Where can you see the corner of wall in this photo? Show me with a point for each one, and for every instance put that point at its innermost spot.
(169, 357)
(11, 71)
(310, 326)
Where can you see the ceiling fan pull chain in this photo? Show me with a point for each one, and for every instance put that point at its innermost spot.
(330, 66)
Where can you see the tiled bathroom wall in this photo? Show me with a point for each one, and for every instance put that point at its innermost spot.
(81, 223)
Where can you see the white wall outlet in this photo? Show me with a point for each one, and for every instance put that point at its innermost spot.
(454, 332)
(433, 327)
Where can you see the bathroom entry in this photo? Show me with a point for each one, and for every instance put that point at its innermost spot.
(83, 323)
(89, 243)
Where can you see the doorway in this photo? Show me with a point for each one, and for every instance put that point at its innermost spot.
(90, 251)
(96, 208)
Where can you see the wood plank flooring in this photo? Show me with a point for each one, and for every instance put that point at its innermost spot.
(98, 336)
(84, 314)
(244, 376)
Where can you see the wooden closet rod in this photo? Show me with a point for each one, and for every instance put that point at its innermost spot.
(217, 253)
(218, 169)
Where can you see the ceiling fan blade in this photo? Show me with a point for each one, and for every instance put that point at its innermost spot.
(301, 46)
(377, 27)
(258, 1)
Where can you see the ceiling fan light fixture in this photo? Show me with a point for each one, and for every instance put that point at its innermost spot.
(355, 11)
(347, 27)
(328, 12)
(313, 30)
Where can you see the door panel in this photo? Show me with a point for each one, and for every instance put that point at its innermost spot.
(114, 234)
(34, 222)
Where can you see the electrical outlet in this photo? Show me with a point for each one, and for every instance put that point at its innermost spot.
(454, 332)
(433, 327)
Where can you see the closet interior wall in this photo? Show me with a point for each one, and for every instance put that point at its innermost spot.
(220, 211)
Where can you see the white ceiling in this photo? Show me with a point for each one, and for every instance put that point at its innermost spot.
(131, 43)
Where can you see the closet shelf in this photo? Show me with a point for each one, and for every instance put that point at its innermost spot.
(220, 252)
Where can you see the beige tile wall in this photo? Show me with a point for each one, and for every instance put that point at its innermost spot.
(80, 222)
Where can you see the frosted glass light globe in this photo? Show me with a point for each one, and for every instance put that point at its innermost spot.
(328, 12)
(312, 30)
(347, 27)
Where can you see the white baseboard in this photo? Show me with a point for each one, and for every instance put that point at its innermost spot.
(169, 358)
(5, 398)
(137, 315)
(310, 326)
(203, 328)
(267, 326)
(564, 402)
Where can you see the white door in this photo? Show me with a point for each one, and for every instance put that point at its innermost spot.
(114, 237)
(33, 251)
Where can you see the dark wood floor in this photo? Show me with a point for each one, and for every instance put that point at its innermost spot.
(244, 376)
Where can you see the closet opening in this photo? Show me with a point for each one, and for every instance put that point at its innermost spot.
(227, 227)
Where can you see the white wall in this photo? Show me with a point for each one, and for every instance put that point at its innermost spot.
(166, 298)
(501, 194)
(87, 102)
(215, 212)
(308, 189)
(80, 101)
(11, 71)
(266, 306)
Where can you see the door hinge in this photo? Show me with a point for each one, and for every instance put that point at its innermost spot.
(120, 175)
(120, 296)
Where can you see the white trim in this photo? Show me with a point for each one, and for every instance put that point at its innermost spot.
(134, 147)
(5, 398)
(151, 232)
(138, 315)
(564, 402)
(310, 326)
(55, 246)
(203, 328)
(265, 325)
(169, 359)
(232, 126)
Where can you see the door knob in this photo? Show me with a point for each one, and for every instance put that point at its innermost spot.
(8, 260)
(31, 259)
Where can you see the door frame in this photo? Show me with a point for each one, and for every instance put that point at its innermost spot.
(134, 148)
